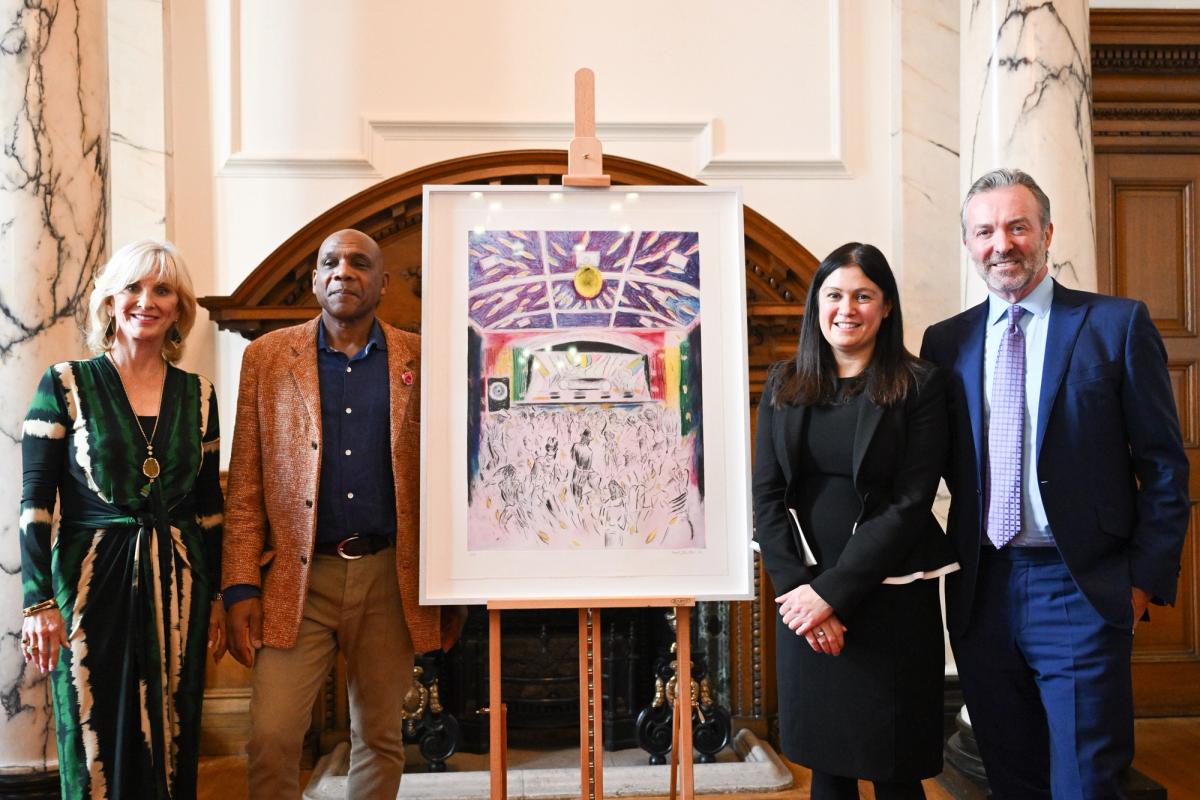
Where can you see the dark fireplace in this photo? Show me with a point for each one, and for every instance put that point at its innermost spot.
(540, 675)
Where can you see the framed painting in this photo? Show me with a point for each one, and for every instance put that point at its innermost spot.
(584, 395)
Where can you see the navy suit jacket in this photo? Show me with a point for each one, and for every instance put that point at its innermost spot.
(1111, 466)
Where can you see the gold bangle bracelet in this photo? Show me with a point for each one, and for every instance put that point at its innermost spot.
(39, 607)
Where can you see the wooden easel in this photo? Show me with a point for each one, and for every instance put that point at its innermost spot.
(585, 167)
(585, 158)
(591, 712)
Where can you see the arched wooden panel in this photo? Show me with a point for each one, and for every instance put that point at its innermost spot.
(278, 291)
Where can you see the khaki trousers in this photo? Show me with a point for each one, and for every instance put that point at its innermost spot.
(354, 606)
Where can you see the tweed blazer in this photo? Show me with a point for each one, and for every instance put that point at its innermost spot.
(270, 511)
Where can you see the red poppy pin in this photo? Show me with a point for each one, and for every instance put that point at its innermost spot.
(407, 377)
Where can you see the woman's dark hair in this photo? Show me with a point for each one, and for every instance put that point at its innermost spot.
(809, 378)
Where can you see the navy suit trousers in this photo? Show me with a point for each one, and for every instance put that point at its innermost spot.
(1046, 680)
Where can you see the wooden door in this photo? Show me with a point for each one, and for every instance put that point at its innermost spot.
(1148, 225)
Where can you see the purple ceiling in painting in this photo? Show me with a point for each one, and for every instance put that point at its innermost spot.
(537, 280)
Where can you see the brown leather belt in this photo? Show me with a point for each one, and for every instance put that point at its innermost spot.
(354, 547)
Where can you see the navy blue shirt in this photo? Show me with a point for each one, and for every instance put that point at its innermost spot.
(357, 493)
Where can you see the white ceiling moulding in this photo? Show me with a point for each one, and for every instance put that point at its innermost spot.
(442, 131)
(298, 165)
(695, 135)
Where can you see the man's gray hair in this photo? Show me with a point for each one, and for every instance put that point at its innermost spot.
(1000, 178)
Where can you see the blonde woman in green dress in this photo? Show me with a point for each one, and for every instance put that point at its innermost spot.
(121, 609)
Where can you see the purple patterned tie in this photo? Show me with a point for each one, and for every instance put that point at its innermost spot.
(1006, 434)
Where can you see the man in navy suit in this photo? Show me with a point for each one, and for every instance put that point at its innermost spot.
(1069, 503)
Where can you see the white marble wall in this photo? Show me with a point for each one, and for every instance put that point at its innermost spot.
(138, 120)
(926, 241)
(53, 235)
(1026, 103)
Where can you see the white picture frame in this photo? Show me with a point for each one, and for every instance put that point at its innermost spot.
(583, 308)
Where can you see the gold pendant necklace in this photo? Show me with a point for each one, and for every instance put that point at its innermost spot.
(150, 466)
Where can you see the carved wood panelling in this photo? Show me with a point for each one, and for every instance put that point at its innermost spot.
(1145, 66)
(1185, 383)
(1166, 657)
(1146, 84)
(1151, 257)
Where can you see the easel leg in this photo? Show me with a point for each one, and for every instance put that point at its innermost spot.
(497, 724)
(597, 705)
(674, 748)
(591, 719)
(683, 702)
(585, 697)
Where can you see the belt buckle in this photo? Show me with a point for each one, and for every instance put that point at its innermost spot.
(341, 552)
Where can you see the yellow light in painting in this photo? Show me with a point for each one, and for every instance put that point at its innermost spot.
(556, 196)
(631, 196)
(476, 195)
(588, 282)
(614, 207)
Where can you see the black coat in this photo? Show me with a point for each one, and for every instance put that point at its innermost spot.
(899, 454)
(875, 711)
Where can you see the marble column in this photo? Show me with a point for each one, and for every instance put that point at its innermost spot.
(926, 242)
(1026, 102)
(53, 235)
(137, 113)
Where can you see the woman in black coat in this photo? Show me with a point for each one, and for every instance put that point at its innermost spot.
(851, 439)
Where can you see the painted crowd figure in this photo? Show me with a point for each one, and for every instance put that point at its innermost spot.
(538, 494)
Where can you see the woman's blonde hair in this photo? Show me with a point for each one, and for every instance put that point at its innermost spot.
(130, 264)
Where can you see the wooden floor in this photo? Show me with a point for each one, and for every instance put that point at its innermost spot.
(1168, 750)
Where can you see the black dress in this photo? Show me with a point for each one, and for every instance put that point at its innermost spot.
(874, 711)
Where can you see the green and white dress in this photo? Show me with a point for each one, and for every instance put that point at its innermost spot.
(134, 568)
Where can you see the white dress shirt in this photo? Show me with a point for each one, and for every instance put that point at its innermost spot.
(1035, 527)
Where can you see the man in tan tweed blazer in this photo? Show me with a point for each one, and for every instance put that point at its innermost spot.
(321, 539)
